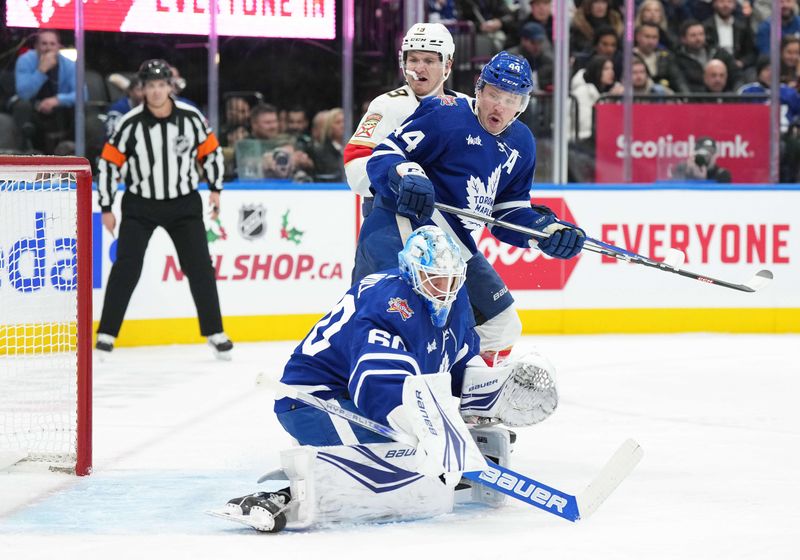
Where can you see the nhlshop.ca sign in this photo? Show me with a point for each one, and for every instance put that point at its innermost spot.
(665, 135)
(314, 19)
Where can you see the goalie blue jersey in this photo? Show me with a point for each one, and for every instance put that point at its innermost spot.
(379, 333)
(469, 167)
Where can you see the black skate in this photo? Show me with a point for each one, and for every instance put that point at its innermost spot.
(263, 511)
(221, 345)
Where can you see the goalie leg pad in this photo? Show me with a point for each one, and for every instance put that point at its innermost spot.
(360, 483)
(495, 443)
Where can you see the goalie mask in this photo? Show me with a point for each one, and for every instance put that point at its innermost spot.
(431, 263)
(430, 37)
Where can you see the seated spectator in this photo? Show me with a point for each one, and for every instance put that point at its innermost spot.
(715, 77)
(605, 44)
(535, 48)
(297, 127)
(789, 97)
(491, 19)
(790, 61)
(441, 11)
(790, 26)
(693, 55)
(701, 165)
(589, 16)
(237, 111)
(730, 33)
(45, 93)
(264, 122)
(318, 125)
(662, 65)
(652, 12)
(134, 95)
(537, 11)
(286, 162)
(598, 79)
(642, 83)
(328, 153)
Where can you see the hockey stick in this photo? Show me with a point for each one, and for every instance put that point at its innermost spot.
(499, 478)
(671, 263)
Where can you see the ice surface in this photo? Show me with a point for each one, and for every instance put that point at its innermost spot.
(177, 432)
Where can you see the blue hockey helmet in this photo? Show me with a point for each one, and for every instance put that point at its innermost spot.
(508, 72)
(432, 264)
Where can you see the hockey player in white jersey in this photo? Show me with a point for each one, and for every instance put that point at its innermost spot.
(426, 60)
(399, 348)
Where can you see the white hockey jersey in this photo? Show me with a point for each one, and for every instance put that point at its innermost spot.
(386, 113)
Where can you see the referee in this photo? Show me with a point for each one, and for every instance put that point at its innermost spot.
(157, 149)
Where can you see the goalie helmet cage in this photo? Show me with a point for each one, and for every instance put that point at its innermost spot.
(46, 311)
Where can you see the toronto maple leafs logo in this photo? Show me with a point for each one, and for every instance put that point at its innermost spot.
(480, 197)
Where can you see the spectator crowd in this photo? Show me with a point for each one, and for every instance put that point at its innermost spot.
(689, 48)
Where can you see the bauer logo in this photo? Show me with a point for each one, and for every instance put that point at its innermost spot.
(525, 489)
(529, 269)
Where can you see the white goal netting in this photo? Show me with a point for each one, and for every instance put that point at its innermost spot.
(38, 317)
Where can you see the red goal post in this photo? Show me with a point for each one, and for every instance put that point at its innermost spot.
(46, 311)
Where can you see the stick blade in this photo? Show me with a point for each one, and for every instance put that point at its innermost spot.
(616, 470)
(263, 381)
(675, 258)
(761, 279)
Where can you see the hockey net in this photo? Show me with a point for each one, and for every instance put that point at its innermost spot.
(45, 311)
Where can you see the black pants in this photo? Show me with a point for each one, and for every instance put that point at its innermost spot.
(183, 220)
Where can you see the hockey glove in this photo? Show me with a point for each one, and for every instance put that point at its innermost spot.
(566, 239)
(520, 393)
(413, 189)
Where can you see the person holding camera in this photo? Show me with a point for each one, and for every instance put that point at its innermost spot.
(158, 149)
(702, 164)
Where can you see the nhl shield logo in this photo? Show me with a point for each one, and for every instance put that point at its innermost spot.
(252, 221)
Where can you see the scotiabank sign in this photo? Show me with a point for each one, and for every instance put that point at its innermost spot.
(664, 135)
(245, 18)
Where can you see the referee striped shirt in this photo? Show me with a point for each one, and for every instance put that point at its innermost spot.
(159, 158)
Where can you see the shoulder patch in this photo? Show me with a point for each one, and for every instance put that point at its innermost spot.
(447, 100)
(367, 128)
(399, 305)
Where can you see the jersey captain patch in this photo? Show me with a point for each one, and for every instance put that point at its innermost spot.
(398, 305)
(367, 128)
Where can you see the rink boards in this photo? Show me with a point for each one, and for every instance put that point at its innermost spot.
(283, 255)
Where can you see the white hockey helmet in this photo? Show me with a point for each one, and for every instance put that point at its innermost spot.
(432, 264)
(433, 37)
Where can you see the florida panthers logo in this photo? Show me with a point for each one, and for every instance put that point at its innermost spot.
(480, 197)
(398, 305)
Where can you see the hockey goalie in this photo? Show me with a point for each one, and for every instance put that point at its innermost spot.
(400, 349)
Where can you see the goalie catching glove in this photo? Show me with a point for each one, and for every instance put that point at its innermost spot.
(520, 393)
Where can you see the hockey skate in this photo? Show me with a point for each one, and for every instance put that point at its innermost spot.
(221, 345)
(263, 511)
(104, 346)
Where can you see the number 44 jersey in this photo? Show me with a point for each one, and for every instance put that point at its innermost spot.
(379, 333)
(469, 168)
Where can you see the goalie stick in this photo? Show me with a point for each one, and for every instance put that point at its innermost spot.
(671, 263)
(499, 478)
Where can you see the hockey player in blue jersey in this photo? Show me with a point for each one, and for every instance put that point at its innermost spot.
(396, 348)
(470, 154)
